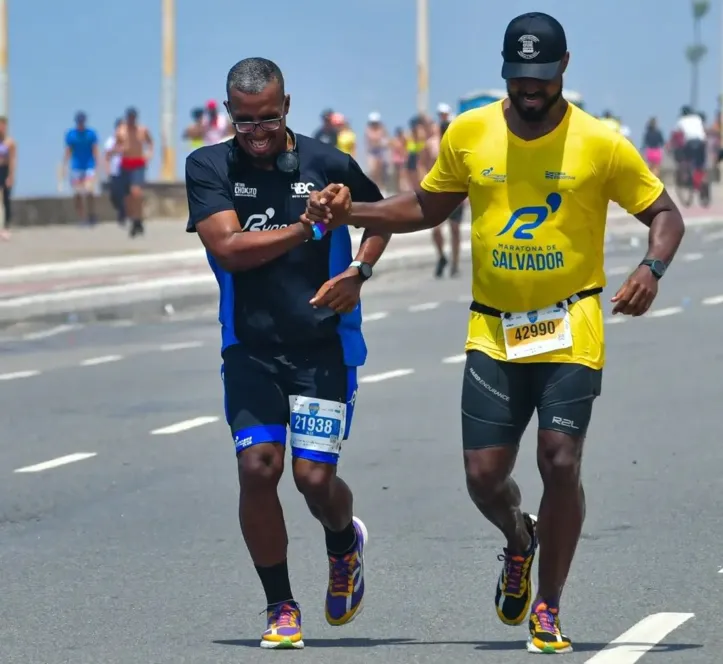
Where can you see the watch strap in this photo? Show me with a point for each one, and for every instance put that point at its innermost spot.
(652, 263)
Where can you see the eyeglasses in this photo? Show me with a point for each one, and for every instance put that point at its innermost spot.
(248, 127)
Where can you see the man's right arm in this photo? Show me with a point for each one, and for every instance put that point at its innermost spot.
(441, 192)
(406, 213)
(213, 216)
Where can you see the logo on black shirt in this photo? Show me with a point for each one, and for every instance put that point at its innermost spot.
(260, 222)
(301, 189)
(240, 189)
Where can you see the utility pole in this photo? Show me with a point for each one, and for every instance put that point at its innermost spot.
(4, 77)
(168, 92)
(422, 56)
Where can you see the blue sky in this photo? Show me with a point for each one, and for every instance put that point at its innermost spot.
(355, 56)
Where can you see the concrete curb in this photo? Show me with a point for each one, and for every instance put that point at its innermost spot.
(156, 295)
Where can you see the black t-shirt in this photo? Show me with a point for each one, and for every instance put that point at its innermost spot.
(327, 135)
(269, 305)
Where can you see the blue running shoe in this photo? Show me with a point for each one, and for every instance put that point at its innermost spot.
(345, 596)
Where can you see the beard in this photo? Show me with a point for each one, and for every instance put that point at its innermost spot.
(534, 114)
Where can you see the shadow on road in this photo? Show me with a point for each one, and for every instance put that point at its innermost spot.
(329, 643)
(478, 645)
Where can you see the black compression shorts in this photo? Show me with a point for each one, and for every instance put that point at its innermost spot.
(498, 399)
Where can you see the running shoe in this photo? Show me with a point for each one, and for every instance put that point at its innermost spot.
(283, 627)
(545, 635)
(514, 587)
(345, 596)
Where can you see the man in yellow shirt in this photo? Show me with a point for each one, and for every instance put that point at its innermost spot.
(346, 138)
(539, 174)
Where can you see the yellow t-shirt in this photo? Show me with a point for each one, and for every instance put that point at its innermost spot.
(539, 210)
(346, 141)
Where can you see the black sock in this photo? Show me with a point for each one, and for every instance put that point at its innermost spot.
(337, 544)
(275, 580)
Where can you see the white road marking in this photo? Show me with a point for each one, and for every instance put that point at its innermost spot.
(720, 571)
(51, 332)
(167, 348)
(621, 269)
(122, 323)
(387, 375)
(105, 359)
(629, 647)
(709, 237)
(425, 306)
(54, 463)
(18, 374)
(184, 426)
(689, 258)
(455, 359)
(660, 313)
(614, 320)
(716, 299)
(377, 315)
(463, 298)
(184, 317)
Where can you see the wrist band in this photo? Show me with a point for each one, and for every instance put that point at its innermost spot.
(319, 230)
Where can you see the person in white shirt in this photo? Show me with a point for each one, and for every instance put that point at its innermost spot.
(692, 129)
(216, 127)
(113, 168)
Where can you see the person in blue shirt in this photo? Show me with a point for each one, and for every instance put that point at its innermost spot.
(81, 154)
(291, 332)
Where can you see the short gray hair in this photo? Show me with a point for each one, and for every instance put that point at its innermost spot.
(252, 75)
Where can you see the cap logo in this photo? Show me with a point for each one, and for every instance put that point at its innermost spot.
(529, 51)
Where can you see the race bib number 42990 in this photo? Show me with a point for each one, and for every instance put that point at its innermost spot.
(536, 332)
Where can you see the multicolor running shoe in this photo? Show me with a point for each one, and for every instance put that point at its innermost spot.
(345, 595)
(546, 636)
(283, 627)
(513, 595)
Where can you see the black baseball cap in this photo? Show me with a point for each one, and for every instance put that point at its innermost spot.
(534, 47)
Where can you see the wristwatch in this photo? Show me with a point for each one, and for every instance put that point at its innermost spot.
(656, 266)
(365, 270)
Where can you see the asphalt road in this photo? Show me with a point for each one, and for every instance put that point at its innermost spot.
(132, 553)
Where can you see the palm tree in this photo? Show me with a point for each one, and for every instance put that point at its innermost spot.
(696, 51)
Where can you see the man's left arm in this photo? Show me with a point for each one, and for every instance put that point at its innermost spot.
(632, 185)
(666, 226)
(149, 146)
(341, 293)
(12, 163)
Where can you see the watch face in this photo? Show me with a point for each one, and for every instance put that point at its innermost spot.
(658, 268)
(365, 270)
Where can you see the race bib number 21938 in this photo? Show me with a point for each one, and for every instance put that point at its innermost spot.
(317, 424)
(536, 332)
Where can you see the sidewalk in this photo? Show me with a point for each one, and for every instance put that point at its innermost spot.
(57, 273)
(61, 273)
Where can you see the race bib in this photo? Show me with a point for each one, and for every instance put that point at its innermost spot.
(317, 424)
(537, 332)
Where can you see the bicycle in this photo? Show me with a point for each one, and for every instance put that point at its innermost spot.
(688, 181)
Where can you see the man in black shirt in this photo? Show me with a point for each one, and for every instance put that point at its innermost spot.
(291, 331)
(327, 133)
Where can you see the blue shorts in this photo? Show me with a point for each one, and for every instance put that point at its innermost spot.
(308, 391)
(81, 175)
(132, 177)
